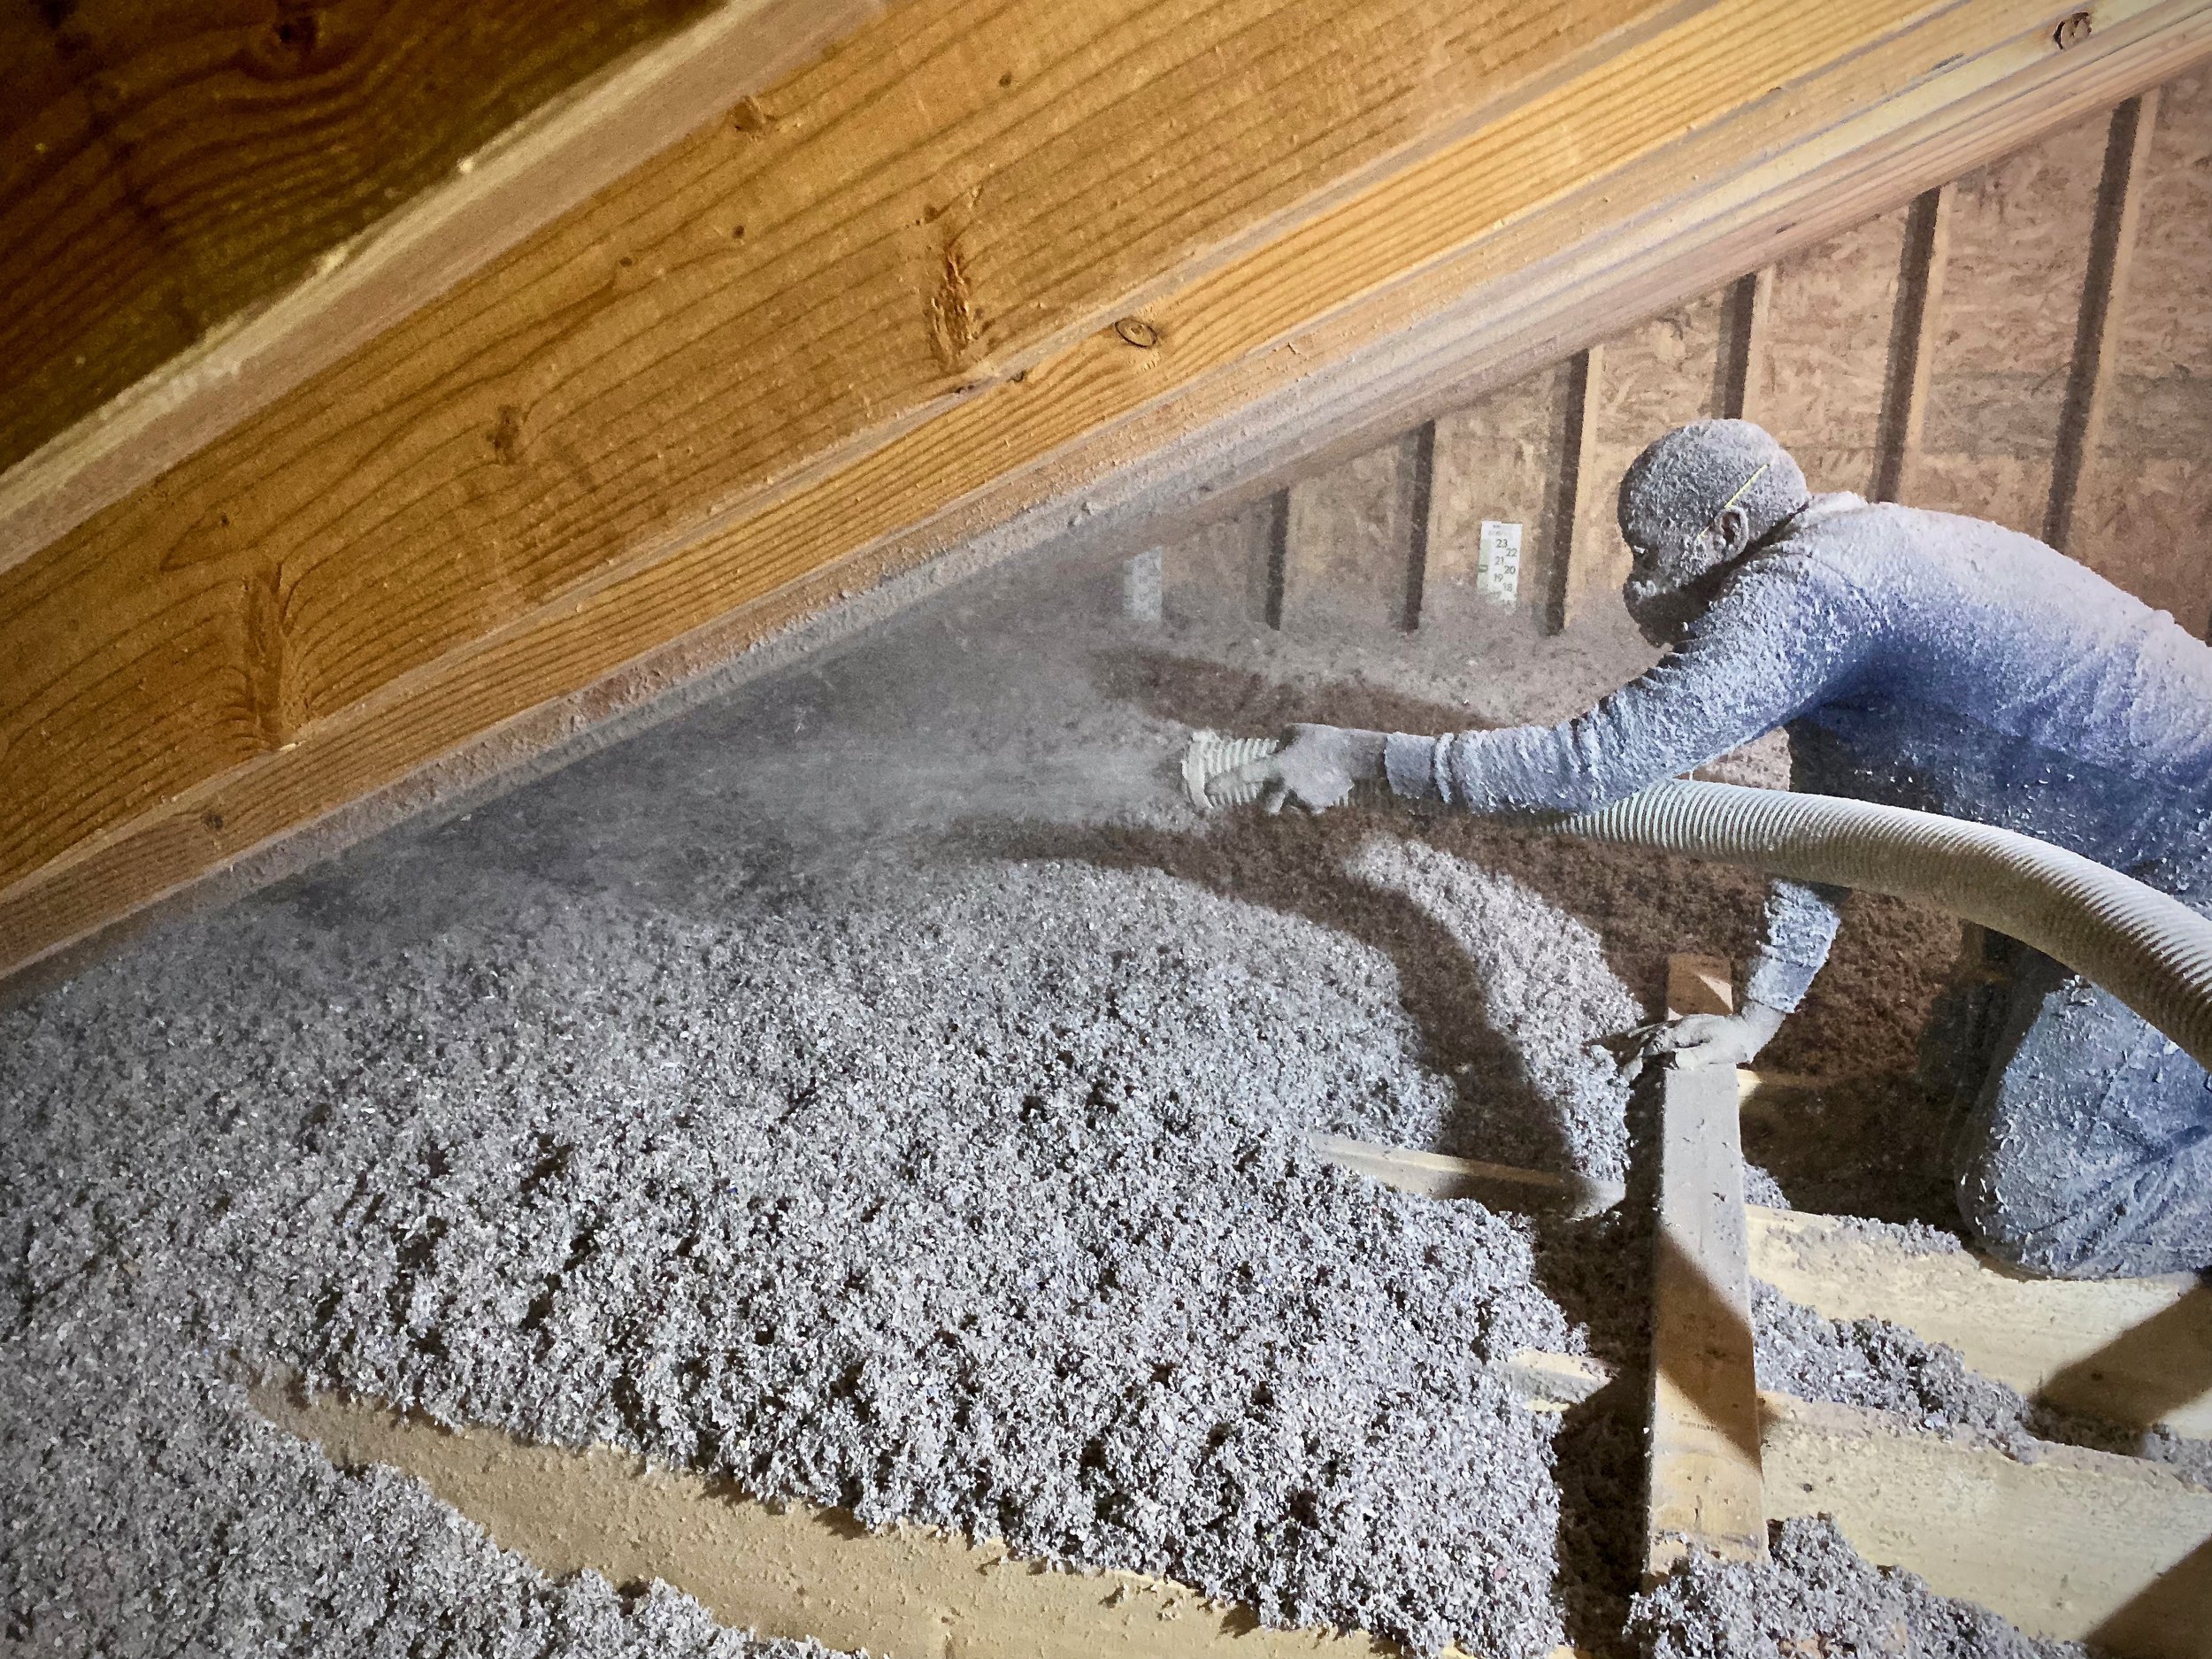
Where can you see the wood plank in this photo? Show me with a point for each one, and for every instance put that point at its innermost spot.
(263, 253)
(2137, 1352)
(1571, 577)
(163, 166)
(544, 420)
(2077, 1546)
(1912, 350)
(1705, 1488)
(795, 1570)
(695, 598)
(2104, 293)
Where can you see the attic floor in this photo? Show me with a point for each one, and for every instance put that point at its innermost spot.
(878, 1087)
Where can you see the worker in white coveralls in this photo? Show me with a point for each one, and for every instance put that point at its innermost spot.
(1923, 660)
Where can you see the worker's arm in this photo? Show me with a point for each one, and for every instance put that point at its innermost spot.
(1795, 934)
(1779, 638)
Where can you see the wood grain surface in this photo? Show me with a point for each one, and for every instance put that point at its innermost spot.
(163, 165)
(642, 433)
(1704, 1487)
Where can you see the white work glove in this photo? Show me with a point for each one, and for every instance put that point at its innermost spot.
(1703, 1039)
(1317, 767)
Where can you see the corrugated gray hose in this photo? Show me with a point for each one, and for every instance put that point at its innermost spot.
(2151, 951)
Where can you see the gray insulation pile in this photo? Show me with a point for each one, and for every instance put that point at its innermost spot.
(880, 1122)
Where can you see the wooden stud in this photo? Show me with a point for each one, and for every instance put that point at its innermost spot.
(1705, 1488)
(1744, 370)
(1912, 340)
(1704, 1472)
(1570, 574)
(2104, 293)
(1277, 557)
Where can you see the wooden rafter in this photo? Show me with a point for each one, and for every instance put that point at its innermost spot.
(257, 330)
(1743, 396)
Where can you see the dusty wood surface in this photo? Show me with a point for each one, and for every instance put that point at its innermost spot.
(287, 321)
(796, 1572)
(163, 166)
(1704, 1483)
(2076, 1545)
(2020, 233)
(613, 518)
(1498, 458)
(2104, 298)
(1350, 541)
(2146, 495)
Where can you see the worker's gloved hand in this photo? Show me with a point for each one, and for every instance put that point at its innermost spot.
(1317, 767)
(1703, 1039)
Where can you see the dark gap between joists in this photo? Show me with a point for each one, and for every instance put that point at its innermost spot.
(1575, 457)
(1419, 471)
(1278, 556)
(1742, 381)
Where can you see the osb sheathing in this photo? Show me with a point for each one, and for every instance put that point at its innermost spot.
(2003, 348)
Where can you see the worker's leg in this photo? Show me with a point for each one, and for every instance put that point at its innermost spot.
(2088, 1153)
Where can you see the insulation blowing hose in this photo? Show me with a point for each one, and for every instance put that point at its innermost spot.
(2149, 950)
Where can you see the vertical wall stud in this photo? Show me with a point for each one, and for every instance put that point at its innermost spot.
(1749, 302)
(2104, 288)
(1577, 463)
(1912, 342)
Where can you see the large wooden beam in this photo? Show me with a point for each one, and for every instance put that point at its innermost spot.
(641, 443)
(201, 208)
